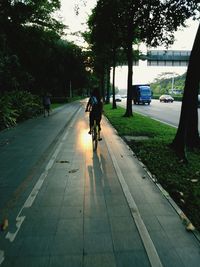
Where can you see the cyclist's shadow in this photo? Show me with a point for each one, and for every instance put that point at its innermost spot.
(96, 174)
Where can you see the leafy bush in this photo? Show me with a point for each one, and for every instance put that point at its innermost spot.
(27, 105)
(16, 106)
(8, 115)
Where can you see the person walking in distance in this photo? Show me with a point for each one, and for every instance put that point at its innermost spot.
(46, 104)
(95, 107)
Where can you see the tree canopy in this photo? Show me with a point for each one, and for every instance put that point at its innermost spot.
(33, 55)
(127, 22)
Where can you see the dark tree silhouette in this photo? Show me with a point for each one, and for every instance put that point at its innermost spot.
(187, 134)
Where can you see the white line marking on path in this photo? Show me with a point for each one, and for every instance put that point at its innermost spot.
(29, 201)
(11, 236)
(1, 256)
(148, 243)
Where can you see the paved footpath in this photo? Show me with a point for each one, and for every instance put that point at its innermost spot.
(75, 207)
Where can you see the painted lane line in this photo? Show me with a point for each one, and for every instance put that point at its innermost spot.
(65, 136)
(11, 236)
(1, 256)
(52, 160)
(155, 119)
(148, 243)
(29, 201)
(164, 122)
(31, 198)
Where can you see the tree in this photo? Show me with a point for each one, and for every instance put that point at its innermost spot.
(104, 40)
(54, 63)
(32, 54)
(32, 12)
(152, 22)
(18, 20)
(187, 134)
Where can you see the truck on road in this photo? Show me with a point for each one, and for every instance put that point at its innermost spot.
(142, 94)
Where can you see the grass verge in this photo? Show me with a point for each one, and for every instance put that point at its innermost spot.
(69, 100)
(56, 105)
(181, 181)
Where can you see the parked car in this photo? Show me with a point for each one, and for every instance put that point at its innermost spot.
(166, 98)
(118, 98)
(124, 96)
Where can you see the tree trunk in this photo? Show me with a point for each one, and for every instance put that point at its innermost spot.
(129, 112)
(107, 85)
(187, 134)
(114, 106)
(102, 82)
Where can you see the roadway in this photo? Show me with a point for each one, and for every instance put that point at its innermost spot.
(168, 113)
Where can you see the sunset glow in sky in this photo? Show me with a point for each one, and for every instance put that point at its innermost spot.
(184, 37)
(184, 40)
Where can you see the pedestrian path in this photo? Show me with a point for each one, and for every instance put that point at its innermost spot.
(96, 209)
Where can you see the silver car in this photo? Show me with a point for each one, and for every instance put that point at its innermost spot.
(166, 98)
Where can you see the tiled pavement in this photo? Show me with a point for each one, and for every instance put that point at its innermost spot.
(78, 212)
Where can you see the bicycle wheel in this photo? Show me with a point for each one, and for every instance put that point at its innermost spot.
(95, 136)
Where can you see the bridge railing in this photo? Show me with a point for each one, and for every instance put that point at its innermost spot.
(168, 57)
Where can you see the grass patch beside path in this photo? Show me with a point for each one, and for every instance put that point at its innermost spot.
(68, 100)
(56, 105)
(181, 181)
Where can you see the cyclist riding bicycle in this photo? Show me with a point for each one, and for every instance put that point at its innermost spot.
(95, 107)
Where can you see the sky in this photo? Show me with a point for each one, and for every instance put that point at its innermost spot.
(76, 22)
(184, 40)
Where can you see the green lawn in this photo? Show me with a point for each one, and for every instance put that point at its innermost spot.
(56, 105)
(65, 101)
(182, 181)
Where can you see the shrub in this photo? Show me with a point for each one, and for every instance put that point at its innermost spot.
(16, 106)
(8, 115)
(27, 105)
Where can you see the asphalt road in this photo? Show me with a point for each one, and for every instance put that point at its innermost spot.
(165, 112)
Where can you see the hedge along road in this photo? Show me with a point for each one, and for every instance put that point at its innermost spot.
(24, 150)
(168, 113)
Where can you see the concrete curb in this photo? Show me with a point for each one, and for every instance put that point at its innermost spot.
(184, 218)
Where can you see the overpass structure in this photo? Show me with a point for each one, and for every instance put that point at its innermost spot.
(176, 58)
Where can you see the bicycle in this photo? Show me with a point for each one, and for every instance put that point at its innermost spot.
(94, 131)
(95, 135)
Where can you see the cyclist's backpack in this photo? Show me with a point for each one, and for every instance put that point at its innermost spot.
(94, 101)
